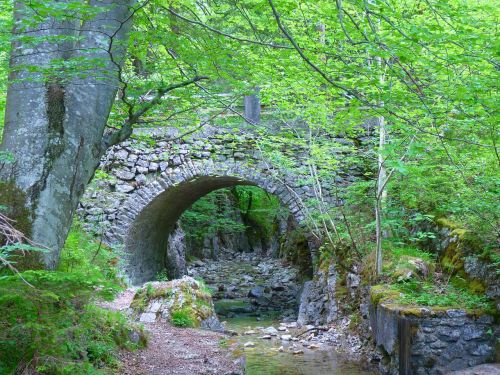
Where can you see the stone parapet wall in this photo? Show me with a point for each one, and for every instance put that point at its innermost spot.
(136, 163)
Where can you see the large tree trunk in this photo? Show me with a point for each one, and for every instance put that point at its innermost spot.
(53, 125)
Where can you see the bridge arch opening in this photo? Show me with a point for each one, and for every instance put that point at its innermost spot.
(151, 216)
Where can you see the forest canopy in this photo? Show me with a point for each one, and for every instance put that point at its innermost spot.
(426, 71)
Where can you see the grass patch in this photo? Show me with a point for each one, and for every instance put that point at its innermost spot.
(398, 252)
(204, 287)
(418, 293)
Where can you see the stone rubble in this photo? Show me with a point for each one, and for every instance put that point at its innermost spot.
(246, 283)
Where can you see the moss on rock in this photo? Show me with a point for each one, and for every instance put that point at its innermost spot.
(184, 302)
(446, 223)
(382, 293)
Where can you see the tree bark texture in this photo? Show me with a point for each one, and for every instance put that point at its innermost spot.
(54, 125)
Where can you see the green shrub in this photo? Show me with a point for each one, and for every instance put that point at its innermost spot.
(162, 275)
(83, 253)
(183, 318)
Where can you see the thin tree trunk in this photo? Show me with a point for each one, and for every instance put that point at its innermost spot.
(381, 193)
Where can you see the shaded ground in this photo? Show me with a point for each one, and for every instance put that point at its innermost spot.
(175, 351)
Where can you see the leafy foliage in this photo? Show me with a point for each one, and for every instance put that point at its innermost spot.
(49, 321)
(232, 211)
(324, 69)
(162, 275)
(183, 318)
(85, 254)
(211, 214)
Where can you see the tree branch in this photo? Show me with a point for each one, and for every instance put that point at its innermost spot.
(243, 40)
(127, 128)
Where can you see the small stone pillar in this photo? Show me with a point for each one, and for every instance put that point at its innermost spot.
(252, 107)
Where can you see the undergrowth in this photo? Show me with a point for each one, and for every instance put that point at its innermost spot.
(183, 318)
(49, 322)
(429, 293)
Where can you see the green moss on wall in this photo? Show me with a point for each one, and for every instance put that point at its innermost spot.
(473, 285)
(382, 293)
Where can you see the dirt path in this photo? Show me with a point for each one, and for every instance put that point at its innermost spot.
(176, 351)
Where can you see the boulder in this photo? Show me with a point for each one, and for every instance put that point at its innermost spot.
(270, 331)
(256, 292)
(184, 302)
(213, 324)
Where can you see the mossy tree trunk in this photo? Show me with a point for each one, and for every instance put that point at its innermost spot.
(55, 119)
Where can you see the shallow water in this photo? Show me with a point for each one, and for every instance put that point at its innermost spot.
(265, 359)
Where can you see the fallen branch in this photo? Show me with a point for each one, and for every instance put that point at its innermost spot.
(320, 328)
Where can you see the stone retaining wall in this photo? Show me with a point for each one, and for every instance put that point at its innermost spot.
(426, 342)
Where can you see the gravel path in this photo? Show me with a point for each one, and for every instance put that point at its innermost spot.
(175, 351)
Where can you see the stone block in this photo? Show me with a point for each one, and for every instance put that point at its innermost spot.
(154, 307)
(124, 188)
(147, 317)
(124, 174)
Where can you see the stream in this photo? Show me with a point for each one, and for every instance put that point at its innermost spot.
(266, 359)
(256, 297)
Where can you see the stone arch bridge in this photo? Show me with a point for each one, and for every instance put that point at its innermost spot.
(145, 184)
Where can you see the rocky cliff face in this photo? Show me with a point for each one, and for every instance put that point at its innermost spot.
(318, 304)
(175, 263)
